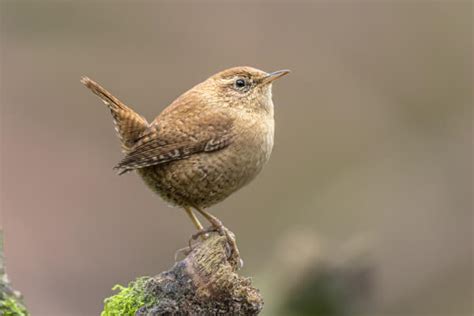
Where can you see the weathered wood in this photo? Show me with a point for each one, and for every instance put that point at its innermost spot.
(205, 282)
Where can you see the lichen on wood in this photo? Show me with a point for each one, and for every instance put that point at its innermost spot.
(205, 282)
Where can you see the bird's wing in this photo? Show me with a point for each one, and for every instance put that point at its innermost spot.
(128, 124)
(164, 142)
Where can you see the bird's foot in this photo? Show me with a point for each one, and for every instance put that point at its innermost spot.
(233, 250)
(183, 251)
(203, 233)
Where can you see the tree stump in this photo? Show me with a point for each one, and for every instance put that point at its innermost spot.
(205, 282)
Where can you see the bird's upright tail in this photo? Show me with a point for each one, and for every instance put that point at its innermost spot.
(128, 124)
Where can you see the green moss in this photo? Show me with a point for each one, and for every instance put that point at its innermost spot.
(10, 307)
(128, 300)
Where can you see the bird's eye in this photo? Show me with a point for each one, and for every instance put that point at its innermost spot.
(240, 83)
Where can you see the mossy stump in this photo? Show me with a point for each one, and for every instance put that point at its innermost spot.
(11, 303)
(205, 282)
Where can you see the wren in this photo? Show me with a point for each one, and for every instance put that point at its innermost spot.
(210, 142)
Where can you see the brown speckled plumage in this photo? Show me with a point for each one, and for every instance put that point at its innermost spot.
(211, 141)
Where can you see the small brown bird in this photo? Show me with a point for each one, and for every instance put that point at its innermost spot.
(210, 142)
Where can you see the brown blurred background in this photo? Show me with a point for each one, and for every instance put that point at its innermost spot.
(372, 160)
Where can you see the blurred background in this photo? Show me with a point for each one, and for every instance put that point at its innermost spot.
(364, 208)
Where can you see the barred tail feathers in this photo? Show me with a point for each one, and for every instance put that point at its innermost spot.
(128, 124)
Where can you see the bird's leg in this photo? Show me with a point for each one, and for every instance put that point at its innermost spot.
(193, 218)
(201, 231)
(224, 231)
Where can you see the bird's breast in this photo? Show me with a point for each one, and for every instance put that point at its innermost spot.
(207, 178)
(253, 146)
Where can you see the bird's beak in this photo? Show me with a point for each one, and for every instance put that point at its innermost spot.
(274, 76)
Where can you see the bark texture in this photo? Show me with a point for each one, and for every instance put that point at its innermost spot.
(205, 282)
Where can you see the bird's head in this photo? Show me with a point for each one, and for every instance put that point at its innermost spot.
(244, 88)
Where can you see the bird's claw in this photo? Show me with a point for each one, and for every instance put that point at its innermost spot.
(185, 251)
(234, 252)
(204, 233)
